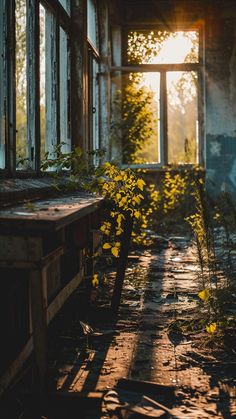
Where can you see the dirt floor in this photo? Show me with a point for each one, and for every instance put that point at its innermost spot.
(128, 365)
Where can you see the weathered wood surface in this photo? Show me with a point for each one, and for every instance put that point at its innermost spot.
(48, 215)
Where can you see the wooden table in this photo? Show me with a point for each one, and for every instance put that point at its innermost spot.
(50, 240)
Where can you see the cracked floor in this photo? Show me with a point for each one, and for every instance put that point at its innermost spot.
(160, 287)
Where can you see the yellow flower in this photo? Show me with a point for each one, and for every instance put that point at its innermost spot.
(106, 246)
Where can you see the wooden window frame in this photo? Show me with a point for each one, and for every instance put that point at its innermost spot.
(162, 69)
(62, 19)
(93, 56)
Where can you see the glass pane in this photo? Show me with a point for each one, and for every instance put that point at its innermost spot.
(135, 129)
(162, 47)
(22, 148)
(2, 86)
(42, 80)
(64, 92)
(92, 22)
(66, 5)
(48, 83)
(182, 115)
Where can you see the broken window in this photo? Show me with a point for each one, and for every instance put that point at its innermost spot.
(155, 106)
(54, 84)
(35, 82)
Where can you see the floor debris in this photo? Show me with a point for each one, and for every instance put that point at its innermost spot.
(139, 359)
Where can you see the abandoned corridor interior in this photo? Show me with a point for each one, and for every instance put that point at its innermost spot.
(117, 208)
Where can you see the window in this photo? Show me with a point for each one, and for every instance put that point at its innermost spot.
(156, 102)
(93, 75)
(35, 82)
(3, 84)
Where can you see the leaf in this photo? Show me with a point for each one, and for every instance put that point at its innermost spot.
(137, 214)
(95, 280)
(106, 246)
(211, 328)
(119, 218)
(204, 295)
(115, 251)
(140, 184)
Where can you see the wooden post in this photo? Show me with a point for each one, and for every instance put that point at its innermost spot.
(122, 262)
(39, 324)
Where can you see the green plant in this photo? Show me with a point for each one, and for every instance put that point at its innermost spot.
(122, 189)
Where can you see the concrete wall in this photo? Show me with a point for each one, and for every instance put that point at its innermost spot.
(220, 78)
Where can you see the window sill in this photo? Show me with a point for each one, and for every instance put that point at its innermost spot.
(158, 167)
(15, 191)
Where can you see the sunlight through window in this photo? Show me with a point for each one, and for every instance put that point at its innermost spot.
(159, 108)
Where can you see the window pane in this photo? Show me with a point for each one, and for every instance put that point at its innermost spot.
(48, 82)
(92, 22)
(162, 47)
(136, 126)
(42, 80)
(22, 147)
(66, 5)
(182, 115)
(2, 86)
(64, 92)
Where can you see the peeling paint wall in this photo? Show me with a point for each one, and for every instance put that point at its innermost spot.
(220, 78)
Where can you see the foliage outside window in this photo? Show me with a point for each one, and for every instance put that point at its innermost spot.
(35, 74)
(156, 102)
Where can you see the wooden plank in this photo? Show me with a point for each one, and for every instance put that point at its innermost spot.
(16, 248)
(33, 94)
(144, 386)
(3, 78)
(63, 295)
(50, 215)
(11, 88)
(16, 366)
(39, 323)
(163, 120)
(61, 12)
(104, 79)
(51, 83)
(78, 105)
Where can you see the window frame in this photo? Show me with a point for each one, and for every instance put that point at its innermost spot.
(163, 69)
(93, 60)
(63, 20)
